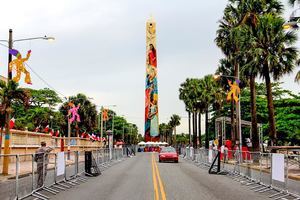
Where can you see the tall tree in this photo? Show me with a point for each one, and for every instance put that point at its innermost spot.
(10, 93)
(274, 53)
(87, 113)
(174, 122)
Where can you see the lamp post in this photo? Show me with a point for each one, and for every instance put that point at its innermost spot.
(10, 42)
(294, 19)
(238, 107)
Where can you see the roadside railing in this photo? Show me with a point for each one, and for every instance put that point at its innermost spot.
(54, 172)
(263, 172)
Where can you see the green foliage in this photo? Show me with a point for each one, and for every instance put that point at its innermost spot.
(44, 97)
(87, 113)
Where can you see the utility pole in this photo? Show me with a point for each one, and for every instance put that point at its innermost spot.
(101, 130)
(69, 132)
(7, 115)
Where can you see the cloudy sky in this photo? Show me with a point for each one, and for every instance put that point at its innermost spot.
(100, 48)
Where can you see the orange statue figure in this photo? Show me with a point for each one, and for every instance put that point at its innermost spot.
(234, 91)
(18, 65)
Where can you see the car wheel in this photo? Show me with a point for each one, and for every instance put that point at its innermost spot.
(176, 161)
(159, 160)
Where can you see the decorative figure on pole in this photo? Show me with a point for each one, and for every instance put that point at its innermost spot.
(18, 65)
(74, 112)
(105, 114)
(234, 91)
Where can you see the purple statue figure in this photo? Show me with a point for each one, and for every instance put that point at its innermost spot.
(74, 112)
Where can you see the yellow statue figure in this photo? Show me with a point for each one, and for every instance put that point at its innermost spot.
(18, 65)
(234, 91)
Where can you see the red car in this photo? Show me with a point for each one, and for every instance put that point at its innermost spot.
(168, 154)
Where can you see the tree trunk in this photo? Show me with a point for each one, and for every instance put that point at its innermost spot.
(199, 129)
(254, 130)
(194, 131)
(206, 130)
(189, 128)
(272, 128)
(174, 135)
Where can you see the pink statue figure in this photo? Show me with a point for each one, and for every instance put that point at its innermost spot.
(74, 112)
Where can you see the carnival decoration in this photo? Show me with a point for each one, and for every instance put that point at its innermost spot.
(18, 65)
(74, 112)
(234, 91)
(151, 91)
(105, 114)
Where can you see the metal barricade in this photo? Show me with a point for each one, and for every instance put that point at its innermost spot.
(293, 164)
(26, 181)
(10, 186)
(51, 172)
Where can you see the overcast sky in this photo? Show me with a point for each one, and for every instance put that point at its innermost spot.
(100, 48)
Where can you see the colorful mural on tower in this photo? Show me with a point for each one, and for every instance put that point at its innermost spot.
(151, 91)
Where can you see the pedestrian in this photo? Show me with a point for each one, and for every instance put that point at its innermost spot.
(225, 154)
(42, 160)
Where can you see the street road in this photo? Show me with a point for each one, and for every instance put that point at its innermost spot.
(143, 178)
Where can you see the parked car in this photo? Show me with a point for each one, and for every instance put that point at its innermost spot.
(168, 154)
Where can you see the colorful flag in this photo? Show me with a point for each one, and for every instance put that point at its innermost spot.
(46, 129)
(12, 123)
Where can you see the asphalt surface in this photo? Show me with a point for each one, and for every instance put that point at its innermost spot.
(143, 178)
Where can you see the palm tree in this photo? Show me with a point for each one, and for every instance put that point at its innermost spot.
(9, 93)
(208, 89)
(87, 113)
(250, 14)
(274, 55)
(188, 97)
(246, 14)
(174, 121)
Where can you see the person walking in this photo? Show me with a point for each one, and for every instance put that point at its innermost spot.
(42, 160)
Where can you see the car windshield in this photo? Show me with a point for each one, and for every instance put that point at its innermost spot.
(168, 149)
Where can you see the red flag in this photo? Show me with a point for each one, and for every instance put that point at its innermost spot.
(57, 133)
(46, 129)
(82, 135)
(37, 129)
(12, 123)
(51, 132)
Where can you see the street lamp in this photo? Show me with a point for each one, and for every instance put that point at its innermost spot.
(294, 20)
(238, 107)
(10, 42)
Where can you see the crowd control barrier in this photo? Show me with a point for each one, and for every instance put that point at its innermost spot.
(269, 173)
(29, 174)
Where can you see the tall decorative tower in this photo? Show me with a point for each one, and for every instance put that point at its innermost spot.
(151, 92)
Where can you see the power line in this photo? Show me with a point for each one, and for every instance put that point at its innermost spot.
(43, 80)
